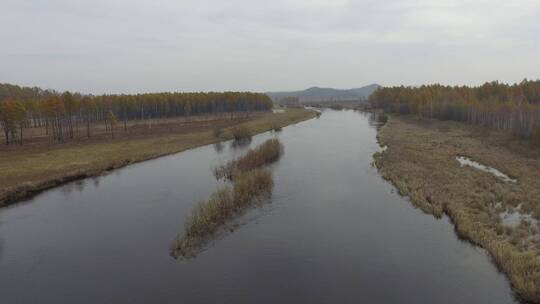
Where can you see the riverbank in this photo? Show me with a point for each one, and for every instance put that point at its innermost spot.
(27, 171)
(498, 214)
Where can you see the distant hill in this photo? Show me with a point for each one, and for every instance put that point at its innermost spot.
(315, 94)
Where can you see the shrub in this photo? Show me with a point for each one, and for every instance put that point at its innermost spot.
(207, 215)
(267, 153)
(276, 128)
(241, 133)
(251, 186)
(217, 131)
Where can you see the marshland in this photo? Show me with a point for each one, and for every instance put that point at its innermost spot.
(333, 230)
(421, 160)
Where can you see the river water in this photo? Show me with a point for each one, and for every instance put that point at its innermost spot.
(334, 232)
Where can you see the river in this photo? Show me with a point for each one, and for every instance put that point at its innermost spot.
(334, 232)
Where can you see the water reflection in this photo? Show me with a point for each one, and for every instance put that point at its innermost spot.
(241, 143)
(218, 147)
(1, 248)
(79, 186)
(96, 181)
(376, 119)
(76, 186)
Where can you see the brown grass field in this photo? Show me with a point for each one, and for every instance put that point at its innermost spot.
(39, 164)
(421, 162)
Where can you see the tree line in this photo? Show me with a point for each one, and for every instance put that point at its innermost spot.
(515, 108)
(65, 114)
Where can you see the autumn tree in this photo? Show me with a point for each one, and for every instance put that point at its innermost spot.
(13, 119)
(7, 119)
(88, 109)
(61, 113)
(514, 108)
(111, 121)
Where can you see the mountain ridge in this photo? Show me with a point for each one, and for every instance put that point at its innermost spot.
(316, 93)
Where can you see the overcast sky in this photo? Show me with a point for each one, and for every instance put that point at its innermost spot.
(115, 46)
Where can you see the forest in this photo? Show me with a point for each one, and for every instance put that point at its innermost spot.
(514, 108)
(63, 114)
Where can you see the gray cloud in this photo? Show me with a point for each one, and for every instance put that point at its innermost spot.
(141, 45)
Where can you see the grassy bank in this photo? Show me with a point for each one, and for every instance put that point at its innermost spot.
(250, 184)
(497, 215)
(26, 171)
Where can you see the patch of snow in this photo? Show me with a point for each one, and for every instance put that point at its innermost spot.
(514, 217)
(464, 161)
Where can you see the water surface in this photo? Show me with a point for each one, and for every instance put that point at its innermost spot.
(335, 232)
